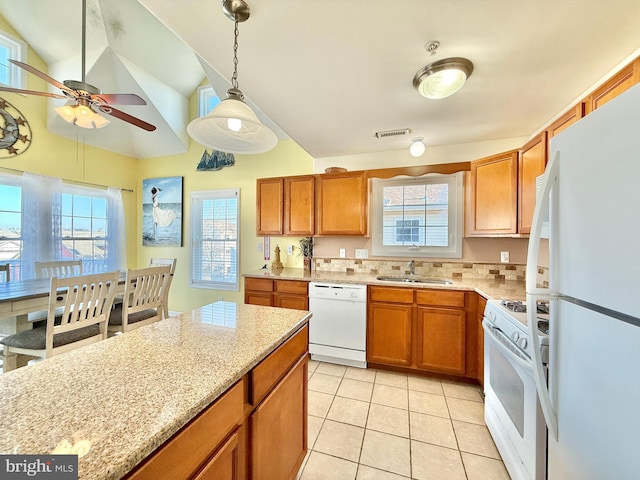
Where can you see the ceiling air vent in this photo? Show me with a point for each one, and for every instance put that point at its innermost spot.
(393, 133)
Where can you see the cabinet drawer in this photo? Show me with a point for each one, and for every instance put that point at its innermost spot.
(390, 294)
(184, 454)
(271, 369)
(259, 284)
(447, 298)
(292, 286)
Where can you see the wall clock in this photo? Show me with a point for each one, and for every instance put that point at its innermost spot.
(15, 131)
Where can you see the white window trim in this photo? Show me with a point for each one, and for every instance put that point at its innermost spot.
(196, 239)
(17, 50)
(456, 217)
(204, 94)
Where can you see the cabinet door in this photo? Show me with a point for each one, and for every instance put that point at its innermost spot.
(269, 199)
(225, 464)
(342, 204)
(289, 300)
(621, 81)
(566, 120)
(440, 340)
(533, 159)
(299, 205)
(389, 334)
(279, 428)
(494, 192)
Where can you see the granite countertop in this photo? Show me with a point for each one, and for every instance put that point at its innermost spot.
(120, 399)
(488, 288)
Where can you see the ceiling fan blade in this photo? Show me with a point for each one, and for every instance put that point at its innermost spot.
(127, 118)
(42, 75)
(119, 99)
(30, 92)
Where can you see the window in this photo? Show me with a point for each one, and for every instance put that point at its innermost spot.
(207, 99)
(12, 48)
(215, 234)
(418, 217)
(11, 225)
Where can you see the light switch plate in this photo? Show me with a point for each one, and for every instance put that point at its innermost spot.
(343, 253)
(362, 253)
(289, 249)
(504, 257)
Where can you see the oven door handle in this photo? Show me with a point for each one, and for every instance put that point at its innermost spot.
(493, 332)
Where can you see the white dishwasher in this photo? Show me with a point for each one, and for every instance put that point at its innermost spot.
(338, 327)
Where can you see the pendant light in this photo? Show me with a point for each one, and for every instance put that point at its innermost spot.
(232, 126)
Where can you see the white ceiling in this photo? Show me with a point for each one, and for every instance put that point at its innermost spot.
(331, 73)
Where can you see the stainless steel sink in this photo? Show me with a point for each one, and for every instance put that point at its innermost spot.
(413, 279)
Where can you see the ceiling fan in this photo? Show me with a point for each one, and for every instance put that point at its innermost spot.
(84, 94)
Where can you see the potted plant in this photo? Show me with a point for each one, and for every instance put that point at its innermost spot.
(306, 250)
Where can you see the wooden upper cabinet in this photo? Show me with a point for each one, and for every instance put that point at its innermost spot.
(621, 81)
(269, 206)
(299, 203)
(566, 120)
(342, 204)
(531, 164)
(493, 192)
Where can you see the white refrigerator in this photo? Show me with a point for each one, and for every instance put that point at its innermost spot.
(590, 200)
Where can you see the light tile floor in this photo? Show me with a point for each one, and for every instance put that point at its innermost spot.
(367, 424)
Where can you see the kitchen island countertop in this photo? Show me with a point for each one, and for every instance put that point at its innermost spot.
(121, 398)
(488, 288)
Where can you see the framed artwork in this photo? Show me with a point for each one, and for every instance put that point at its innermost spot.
(162, 212)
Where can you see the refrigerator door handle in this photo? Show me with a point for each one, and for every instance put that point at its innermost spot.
(534, 293)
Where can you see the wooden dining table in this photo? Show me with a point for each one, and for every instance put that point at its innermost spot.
(19, 298)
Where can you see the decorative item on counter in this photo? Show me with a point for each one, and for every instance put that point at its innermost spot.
(215, 161)
(335, 170)
(306, 250)
(277, 264)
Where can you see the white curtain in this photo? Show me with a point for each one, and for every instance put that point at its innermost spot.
(42, 223)
(41, 229)
(116, 235)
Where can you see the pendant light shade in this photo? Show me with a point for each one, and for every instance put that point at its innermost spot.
(82, 116)
(442, 78)
(232, 126)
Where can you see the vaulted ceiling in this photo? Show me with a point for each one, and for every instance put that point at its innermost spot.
(331, 73)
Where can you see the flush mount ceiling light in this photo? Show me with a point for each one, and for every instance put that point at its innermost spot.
(442, 78)
(232, 126)
(417, 147)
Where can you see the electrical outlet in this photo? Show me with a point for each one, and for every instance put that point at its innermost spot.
(289, 249)
(343, 253)
(504, 257)
(362, 253)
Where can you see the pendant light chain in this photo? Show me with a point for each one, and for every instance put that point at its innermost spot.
(234, 78)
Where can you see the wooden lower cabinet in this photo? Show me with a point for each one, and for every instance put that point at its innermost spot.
(226, 463)
(276, 293)
(481, 303)
(441, 340)
(420, 329)
(278, 428)
(389, 334)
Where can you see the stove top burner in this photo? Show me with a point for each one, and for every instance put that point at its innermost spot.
(521, 307)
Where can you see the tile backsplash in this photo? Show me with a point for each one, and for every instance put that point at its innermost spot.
(441, 269)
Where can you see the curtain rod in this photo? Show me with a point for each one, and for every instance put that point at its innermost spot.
(66, 180)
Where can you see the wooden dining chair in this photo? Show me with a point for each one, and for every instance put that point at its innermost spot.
(5, 273)
(61, 268)
(78, 315)
(165, 261)
(142, 302)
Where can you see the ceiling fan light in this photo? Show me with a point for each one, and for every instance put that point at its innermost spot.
(443, 78)
(232, 127)
(417, 147)
(82, 116)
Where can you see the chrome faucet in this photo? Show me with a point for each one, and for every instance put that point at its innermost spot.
(412, 267)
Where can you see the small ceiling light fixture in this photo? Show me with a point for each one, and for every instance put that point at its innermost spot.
(232, 126)
(442, 78)
(82, 115)
(417, 147)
